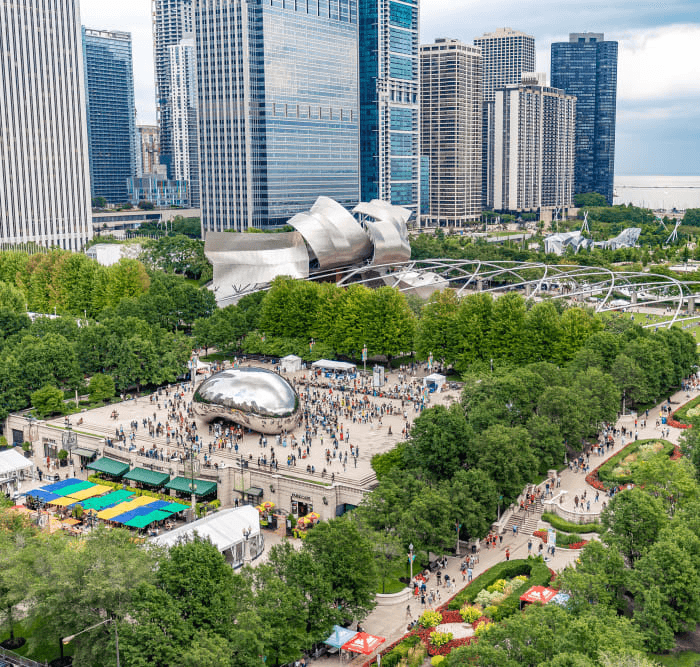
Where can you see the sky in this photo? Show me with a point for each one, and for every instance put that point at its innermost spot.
(658, 103)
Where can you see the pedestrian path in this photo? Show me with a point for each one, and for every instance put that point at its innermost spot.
(391, 621)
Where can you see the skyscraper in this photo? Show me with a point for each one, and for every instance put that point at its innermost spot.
(45, 193)
(586, 66)
(389, 107)
(150, 148)
(172, 20)
(450, 95)
(506, 54)
(534, 129)
(183, 116)
(111, 114)
(278, 109)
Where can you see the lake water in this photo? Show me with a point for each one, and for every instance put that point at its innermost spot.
(658, 192)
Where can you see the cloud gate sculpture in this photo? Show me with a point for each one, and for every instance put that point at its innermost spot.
(253, 397)
(326, 237)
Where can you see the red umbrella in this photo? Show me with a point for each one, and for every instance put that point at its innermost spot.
(363, 643)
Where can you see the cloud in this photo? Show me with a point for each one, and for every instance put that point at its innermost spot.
(660, 63)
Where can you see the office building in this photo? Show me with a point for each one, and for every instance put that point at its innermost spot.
(450, 94)
(506, 54)
(586, 66)
(183, 115)
(45, 193)
(534, 130)
(389, 107)
(172, 21)
(111, 114)
(149, 141)
(278, 108)
(158, 190)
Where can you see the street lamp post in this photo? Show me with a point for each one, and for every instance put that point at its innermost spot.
(410, 558)
(70, 638)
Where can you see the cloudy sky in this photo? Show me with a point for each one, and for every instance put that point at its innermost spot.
(658, 107)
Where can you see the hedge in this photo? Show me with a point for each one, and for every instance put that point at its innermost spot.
(568, 526)
(681, 415)
(605, 471)
(535, 568)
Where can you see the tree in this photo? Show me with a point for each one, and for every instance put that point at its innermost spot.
(345, 555)
(99, 202)
(48, 401)
(440, 443)
(101, 387)
(505, 454)
(666, 586)
(586, 199)
(474, 501)
(633, 520)
(300, 571)
(597, 579)
(76, 588)
(282, 629)
(146, 205)
(435, 330)
(12, 298)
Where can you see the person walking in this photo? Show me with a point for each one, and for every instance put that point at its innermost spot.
(507, 554)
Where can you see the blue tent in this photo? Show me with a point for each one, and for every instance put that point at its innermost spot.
(42, 494)
(57, 486)
(340, 636)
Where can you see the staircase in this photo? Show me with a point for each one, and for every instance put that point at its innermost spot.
(526, 521)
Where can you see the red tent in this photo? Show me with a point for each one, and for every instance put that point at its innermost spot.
(538, 594)
(363, 643)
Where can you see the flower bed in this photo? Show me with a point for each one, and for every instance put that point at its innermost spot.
(690, 409)
(604, 476)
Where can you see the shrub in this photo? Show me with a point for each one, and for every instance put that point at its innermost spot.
(616, 470)
(482, 627)
(436, 660)
(440, 638)
(502, 570)
(429, 618)
(490, 611)
(469, 614)
(570, 527)
(498, 585)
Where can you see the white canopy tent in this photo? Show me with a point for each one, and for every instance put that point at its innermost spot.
(435, 379)
(13, 467)
(291, 363)
(226, 529)
(342, 366)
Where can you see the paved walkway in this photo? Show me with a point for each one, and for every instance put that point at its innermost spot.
(390, 621)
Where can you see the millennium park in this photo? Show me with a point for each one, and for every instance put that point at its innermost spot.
(459, 447)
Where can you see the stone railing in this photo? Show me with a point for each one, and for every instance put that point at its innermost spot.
(554, 506)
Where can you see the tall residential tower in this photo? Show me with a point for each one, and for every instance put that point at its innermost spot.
(172, 20)
(506, 54)
(111, 114)
(45, 193)
(533, 150)
(278, 108)
(586, 66)
(183, 117)
(389, 107)
(450, 94)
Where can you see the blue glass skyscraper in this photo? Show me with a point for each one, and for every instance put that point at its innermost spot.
(586, 66)
(278, 108)
(109, 92)
(389, 110)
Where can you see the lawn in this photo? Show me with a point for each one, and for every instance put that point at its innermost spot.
(46, 648)
(617, 469)
(691, 326)
(691, 407)
(683, 659)
(391, 582)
